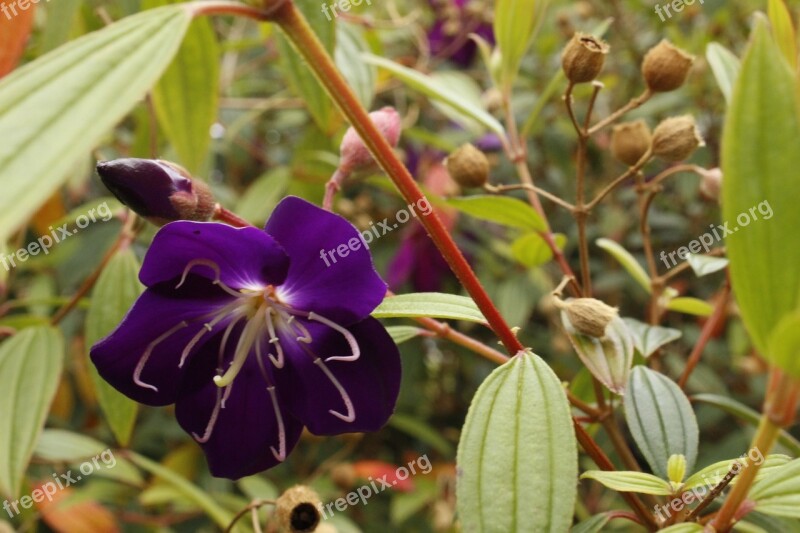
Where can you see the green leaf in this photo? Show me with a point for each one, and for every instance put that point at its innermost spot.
(725, 66)
(532, 251)
(760, 162)
(114, 293)
(638, 482)
(742, 412)
(778, 494)
(784, 345)
(608, 359)
(627, 261)
(703, 265)
(711, 475)
(362, 77)
(58, 445)
(193, 493)
(661, 419)
(430, 304)
(263, 195)
(30, 366)
(401, 334)
(405, 505)
(690, 306)
(423, 432)
(517, 456)
(500, 210)
(647, 338)
(437, 91)
(66, 13)
(468, 91)
(68, 101)
(594, 524)
(783, 29)
(185, 98)
(515, 22)
(683, 528)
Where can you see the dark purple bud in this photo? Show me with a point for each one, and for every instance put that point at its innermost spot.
(157, 190)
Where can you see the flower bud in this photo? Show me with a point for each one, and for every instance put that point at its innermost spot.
(157, 190)
(676, 138)
(583, 57)
(665, 67)
(587, 315)
(468, 166)
(630, 141)
(354, 153)
(297, 510)
(676, 468)
(711, 183)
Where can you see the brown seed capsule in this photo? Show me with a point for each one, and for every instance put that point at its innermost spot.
(665, 67)
(587, 315)
(583, 57)
(676, 138)
(630, 141)
(297, 510)
(468, 166)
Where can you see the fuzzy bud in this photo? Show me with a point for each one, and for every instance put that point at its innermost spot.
(583, 57)
(676, 468)
(468, 166)
(354, 154)
(630, 141)
(297, 510)
(587, 315)
(665, 67)
(676, 138)
(157, 190)
(711, 183)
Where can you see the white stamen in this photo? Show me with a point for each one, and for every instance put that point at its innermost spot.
(217, 273)
(246, 341)
(224, 342)
(137, 373)
(211, 422)
(274, 340)
(208, 327)
(279, 455)
(351, 340)
(351, 412)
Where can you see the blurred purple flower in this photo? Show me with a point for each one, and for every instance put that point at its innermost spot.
(449, 35)
(253, 337)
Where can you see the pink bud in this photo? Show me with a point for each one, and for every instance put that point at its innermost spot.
(711, 183)
(354, 154)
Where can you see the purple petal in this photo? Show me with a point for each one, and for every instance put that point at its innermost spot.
(246, 257)
(372, 382)
(246, 428)
(151, 318)
(345, 287)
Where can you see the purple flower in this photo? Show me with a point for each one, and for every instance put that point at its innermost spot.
(253, 337)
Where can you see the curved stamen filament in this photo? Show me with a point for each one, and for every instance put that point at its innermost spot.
(351, 340)
(217, 273)
(137, 373)
(208, 328)
(246, 341)
(279, 454)
(351, 412)
(212, 421)
(274, 340)
(224, 342)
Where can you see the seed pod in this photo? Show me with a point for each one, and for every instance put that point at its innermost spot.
(297, 510)
(583, 57)
(588, 316)
(354, 153)
(159, 191)
(630, 141)
(468, 166)
(676, 138)
(665, 67)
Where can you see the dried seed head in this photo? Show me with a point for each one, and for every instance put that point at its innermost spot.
(588, 316)
(630, 141)
(665, 67)
(711, 183)
(354, 153)
(583, 57)
(297, 510)
(468, 166)
(676, 138)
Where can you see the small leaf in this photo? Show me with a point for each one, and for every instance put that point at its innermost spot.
(500, 210)
(515, 22)
(686, 527)
(608, 359)
(595, 524)
(401, 334)
(58, 445)
(690, 306)
(661, 419)
(30, 366)
(725, 66)
(114, 293)
(704, 265)
(429, 86)
(532, 251)
(647, 338)
(69, 99)
(627, 261)
(778, 494)
(518, 442)
(783, 29)
(361, 76)
(638, 482)
(263, 195)
(430, 304)
(711, 475)
(468, 91)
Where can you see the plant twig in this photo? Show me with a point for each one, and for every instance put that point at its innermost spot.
(705, 335)
(630, 106)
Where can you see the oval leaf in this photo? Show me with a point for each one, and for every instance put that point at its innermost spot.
(517, 458)
(704, 265)
(30, 366)
(661, 419)
(608, 359)
(500, 210)
(647, 338)
(778, 493)
(430, 304)
(638, 482)
(725, 66)
(627, 261)
(515, 22)
(690, 306)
